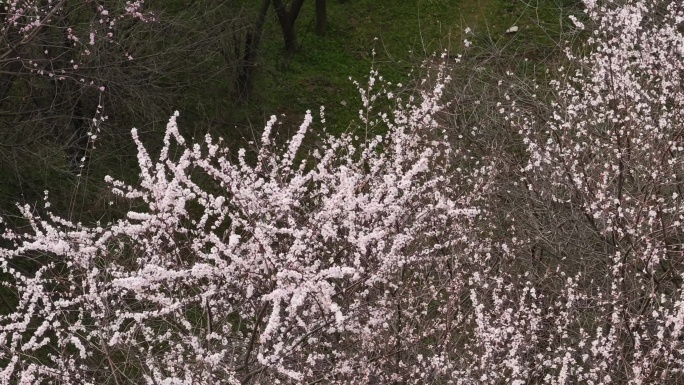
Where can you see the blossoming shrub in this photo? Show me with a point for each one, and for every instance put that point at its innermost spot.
(396, 258)
(604, 205)
(584, 283)
(331, 264)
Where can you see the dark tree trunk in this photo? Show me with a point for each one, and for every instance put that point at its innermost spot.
(290, 39)
(287, 18)
(248, 61)
(321, 17)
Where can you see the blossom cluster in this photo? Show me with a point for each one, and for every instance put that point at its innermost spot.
(68, 32)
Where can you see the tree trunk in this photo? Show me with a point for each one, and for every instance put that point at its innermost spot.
(287, 18)
(321, 17)
(248, 62)
(290, 38)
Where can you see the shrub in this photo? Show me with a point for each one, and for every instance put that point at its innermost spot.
(387, 259)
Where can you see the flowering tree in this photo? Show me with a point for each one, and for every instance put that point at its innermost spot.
(607, 163)
(386, 259)
(299, 266)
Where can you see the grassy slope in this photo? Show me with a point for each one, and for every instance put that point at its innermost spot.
(407, 31)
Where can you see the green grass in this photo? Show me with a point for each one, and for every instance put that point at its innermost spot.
(402, 32)
(407, 32)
